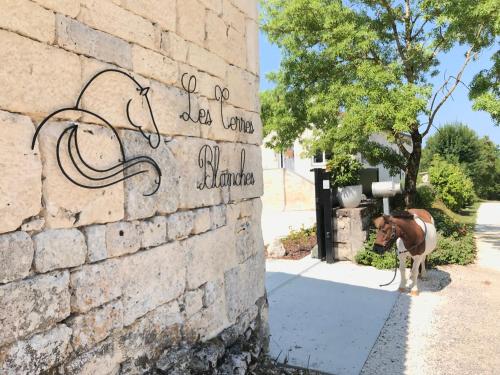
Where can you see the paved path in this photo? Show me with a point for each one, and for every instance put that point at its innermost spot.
(326, 316)
(453, 327)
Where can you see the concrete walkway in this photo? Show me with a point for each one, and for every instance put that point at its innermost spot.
(326, 317)
(453, 327)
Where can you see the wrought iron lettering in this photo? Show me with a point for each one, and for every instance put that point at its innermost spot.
(203, 117)
(235, 123)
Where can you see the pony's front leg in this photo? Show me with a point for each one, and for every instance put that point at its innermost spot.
(402, 271)
(414, 274)
(423, 272)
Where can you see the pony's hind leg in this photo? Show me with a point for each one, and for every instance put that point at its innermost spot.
(414, 274)
(423, 271)
(402, 271)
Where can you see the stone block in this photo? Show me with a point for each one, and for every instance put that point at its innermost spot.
(56, 85)
(154, 65)
(59, 248)
(209, 255)
(174, 46)
(28, 18)
(66, 204)
(207, 323)
(94, 285)
(105, 358)
(191, 21)
(154, 232)
(147, 337)
(244, 88)
(21, 177)
(165, 200)
(80, 38)
(157, 11)
(247, 7)
(193, 302)
(151, 278)
(213, 291)
(32, 305)
(122, 238)
(95, 236)
(276, 249)
(68, 7)
(106, 16)
(202, 221)
(252, 39)
(95, 326)
(207, 61)
(219, 216)
(33, 225)
(214, 5)
(233, 16)
(38, 354)
(180, 225)
(16, 256)
(244, 285)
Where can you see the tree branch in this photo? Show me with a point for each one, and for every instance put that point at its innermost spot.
(400, 144)
(394, 27)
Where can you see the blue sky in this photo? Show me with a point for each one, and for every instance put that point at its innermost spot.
(458, 108)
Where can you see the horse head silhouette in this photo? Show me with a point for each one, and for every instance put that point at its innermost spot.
(89, 176)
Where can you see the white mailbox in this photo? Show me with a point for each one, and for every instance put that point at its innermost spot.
(385, 190)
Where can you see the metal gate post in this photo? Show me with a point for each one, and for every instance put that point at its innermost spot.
(320, 237)
(324, 232)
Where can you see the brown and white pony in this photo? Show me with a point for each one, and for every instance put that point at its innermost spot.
(415, 235)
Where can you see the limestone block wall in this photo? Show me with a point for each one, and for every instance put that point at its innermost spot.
(98, 276)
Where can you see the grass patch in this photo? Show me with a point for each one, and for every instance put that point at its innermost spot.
(456, 243)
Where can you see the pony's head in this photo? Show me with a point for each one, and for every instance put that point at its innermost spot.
(386, 233)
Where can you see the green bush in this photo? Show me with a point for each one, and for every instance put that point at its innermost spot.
(425, 196)
(368, 257)
(455, 249)
(453, 186)
(301, 234)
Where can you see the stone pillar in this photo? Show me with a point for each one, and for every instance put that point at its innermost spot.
(146, 241)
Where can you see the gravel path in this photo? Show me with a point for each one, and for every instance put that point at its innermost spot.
(453, 327)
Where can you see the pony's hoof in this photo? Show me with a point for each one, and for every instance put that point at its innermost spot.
(414, 293)
(402, 290)
(424, 278)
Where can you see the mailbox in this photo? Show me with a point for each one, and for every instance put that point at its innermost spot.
(385, 189)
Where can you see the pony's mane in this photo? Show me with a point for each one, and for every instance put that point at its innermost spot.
(402, 215)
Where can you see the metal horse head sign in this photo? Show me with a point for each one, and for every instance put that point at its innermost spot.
(88, 176)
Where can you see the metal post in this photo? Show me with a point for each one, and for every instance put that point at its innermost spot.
(320, 237)
(387, 210)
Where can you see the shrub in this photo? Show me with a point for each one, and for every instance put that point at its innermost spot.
(425, 196)
(345, 170)
(455, 249)
(455, 189)
(368, 257)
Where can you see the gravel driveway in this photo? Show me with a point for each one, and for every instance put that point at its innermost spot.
(453, 327)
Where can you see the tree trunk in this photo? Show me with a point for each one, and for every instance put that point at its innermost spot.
(411, 171)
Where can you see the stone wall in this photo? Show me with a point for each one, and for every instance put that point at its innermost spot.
(97, 276)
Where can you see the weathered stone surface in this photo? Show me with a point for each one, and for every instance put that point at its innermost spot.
(202, 221)
(207, 323)
(191, 27)
(105, 358)
(244, 285)
(193, 302)
(34, 225)
(55, 85)
(95, 236)
(95, 326)
(233, 16)
(151, 278)
(122, 238)
(59, 248)
(37, 354)
(276, 249)
(244, 89)
(209, 255)
(33, 305)
(77, 37)
(154, 231)
(68, 7)
(25, 17)
(16, 256)
(213, 291)
(165, 200)
(206, 61)
(174, 46)
(66, 204)
(218, 215)
(248, 7)
(144, 340)
(94, 285)
(215, 5)
(20, 180)
(180, 225)
(154, 65)
(252, 40)
(110, 18)
(157, 11)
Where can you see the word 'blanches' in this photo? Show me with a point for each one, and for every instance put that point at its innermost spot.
(204, 117)
(208, 161)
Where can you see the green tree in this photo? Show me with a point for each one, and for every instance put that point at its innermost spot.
(478, 157)
(354, 68)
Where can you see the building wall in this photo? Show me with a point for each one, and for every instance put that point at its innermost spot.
(103, 279)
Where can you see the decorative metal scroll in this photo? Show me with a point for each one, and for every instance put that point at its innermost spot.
(98, 178)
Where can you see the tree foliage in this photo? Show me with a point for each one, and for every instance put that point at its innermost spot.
(478, 157)
(354, 68)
